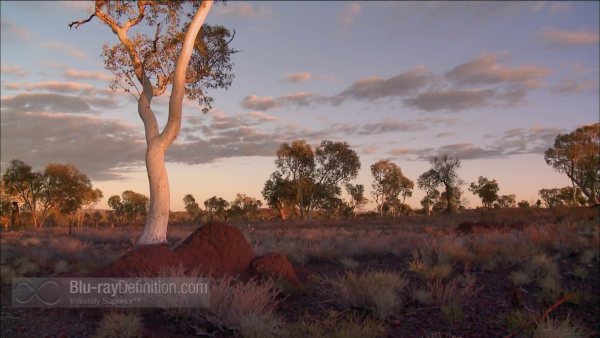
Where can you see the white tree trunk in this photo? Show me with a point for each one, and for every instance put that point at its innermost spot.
(155, 230)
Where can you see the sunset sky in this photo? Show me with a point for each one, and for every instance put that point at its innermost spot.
(491, 83)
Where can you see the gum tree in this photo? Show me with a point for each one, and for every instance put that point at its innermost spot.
(444, 170)
(164, 59)
(577, 155)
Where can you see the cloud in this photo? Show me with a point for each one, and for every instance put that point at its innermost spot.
(572, 86)
(262, 117)
(11, 86)
(451, 100)
(401, 151)
(102, 148)
(11, 32)
(403, 84)
(73, 74)
(445, 134)
(560, 7)
(538, 6)
(296, 77)
(56, 103)
(349, 13)
(61, 87)
(486, 70)
(16, 70)
(254, 102)
(245, 10)
(370, 149)
(534, 140)
(70, 49)
(562, 39)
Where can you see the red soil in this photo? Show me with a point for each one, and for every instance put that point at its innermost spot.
(215, 249)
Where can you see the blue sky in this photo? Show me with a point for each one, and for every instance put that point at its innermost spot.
(491, 83)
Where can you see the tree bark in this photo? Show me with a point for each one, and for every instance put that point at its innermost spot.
(449, 193)
(155, 230)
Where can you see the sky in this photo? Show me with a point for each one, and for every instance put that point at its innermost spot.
(490, 83)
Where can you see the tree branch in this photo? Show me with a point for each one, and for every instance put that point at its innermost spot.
(141, 9)
(79, 23)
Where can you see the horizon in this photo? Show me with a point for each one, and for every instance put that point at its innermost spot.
(490, 83)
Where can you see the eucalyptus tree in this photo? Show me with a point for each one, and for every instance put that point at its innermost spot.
(279, 193)
(385, 183)
(428, 183)
(335, 163)
(357, 198)
(164, 59)
(486, 190)
(297, 163)
(191, 206)
(444, 170)
(577, 155)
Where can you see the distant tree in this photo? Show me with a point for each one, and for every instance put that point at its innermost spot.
(405, 189)
(280, 194)
(577, 155)
(538, 203)
(572, 196)
(6, 207)
(441, 205)
(428, 183)
(96, 218)
(524, 204)
(119, 209)
(445, 171)
(191, 206)
(506, 201)
(386, 183)
(20, 180)
(135, 204)
(216, 207)
(245, 208)
(429, 200)
(357, 198)
(551, 197)
(297, 163)
(486, 190)
(335, 163)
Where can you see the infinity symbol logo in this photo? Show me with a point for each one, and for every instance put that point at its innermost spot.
(48, 292)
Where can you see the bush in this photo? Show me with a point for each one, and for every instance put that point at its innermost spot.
(120, 324)
(376, 292)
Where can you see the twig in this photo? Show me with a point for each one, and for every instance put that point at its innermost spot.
(79, 23)
(544, 316)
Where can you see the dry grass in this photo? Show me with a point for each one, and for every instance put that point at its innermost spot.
(334, 325)
(232, 303)
(520, 278)
(7, 274)
(376, 291)
(551, 328)
(121, 325)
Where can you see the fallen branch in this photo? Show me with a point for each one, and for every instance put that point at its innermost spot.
(544, 316)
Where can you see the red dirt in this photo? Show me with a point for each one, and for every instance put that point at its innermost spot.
(273, 264)
(215, 249)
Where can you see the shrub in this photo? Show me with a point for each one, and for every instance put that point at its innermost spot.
(376, 292)
(7, 274)
(520, 278)
(120, 324)
(580, 272)
(588, 256)
(61, 267)
(232, 303)
(349, 263)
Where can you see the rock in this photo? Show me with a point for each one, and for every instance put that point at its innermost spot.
(146, 260)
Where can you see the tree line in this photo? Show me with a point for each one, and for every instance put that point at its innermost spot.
(307, 181)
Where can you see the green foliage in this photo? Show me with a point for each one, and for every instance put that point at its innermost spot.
(486, 190)
(191, 206)
(506, 201)
(577, 155)
(245, 208)
(388, 184)
(130, 206)
(444, 170)
(280, 194)
(216, 207)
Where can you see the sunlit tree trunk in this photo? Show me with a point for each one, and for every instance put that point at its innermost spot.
(155, 230)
